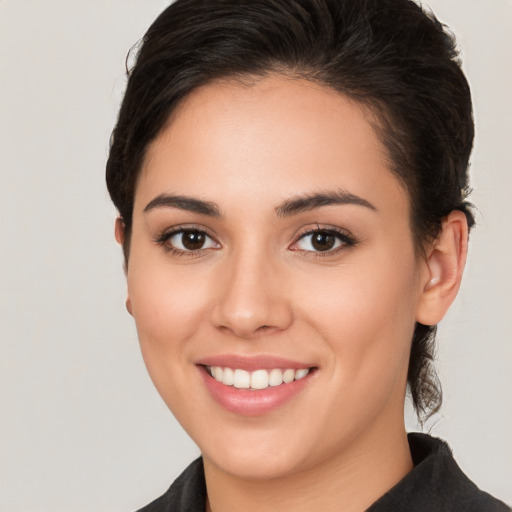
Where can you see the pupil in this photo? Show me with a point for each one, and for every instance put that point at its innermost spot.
(192, 240)
(323, 241)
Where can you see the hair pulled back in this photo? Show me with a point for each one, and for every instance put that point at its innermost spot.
(391, 56)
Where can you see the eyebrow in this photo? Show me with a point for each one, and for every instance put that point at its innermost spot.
(288, 208)
(301, 204)
(186, 203)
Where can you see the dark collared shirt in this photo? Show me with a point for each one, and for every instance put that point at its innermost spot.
(436, 484)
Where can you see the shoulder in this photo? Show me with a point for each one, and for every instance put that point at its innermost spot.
(186, 494)
(436, 483)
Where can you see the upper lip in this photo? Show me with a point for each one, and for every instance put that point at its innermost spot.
(251, 363)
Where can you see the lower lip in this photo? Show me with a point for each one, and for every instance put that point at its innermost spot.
(252, 402)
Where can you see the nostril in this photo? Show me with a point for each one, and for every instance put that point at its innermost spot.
(250, 314)
(266, 329)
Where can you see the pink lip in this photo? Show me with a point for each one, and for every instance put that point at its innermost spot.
(251, 363)
(248, 402)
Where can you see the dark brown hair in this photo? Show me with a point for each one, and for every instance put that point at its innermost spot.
(391, 56)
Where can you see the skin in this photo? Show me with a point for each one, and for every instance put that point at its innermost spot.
(258, 287)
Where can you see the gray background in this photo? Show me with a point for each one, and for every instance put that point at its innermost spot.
(81, 427)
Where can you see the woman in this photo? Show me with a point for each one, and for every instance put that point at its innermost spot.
(291, 180)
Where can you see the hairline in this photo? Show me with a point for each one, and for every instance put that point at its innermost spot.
(374, 111)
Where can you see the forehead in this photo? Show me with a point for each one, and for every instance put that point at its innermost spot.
(275, 136)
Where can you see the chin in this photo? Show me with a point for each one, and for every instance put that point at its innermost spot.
(253, 464)
(258, 454)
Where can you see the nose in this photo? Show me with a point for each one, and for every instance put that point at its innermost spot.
(251, 298)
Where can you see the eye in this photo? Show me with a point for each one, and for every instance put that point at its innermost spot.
(187, 240)
(323, 240)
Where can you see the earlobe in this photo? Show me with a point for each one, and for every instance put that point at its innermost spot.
(119, 230)
(120, 238)
(445, 262)
(129, 306)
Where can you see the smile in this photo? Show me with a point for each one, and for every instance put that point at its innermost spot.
(257, 379)
(254, 386)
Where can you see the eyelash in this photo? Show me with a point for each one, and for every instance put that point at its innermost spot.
(346, 241)
(164, 237)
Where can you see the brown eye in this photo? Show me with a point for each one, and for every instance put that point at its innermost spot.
(193, 240)
(188, 240)
(323, 241)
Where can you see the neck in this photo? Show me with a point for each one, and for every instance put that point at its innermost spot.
(352, 480)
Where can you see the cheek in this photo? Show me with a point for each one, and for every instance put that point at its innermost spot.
(366, 312)
(168, 309)
(168, 304)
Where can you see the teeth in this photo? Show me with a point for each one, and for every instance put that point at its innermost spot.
(300, 374)
(258, 379)
(288, 376)
(275, 377)
(218, 373)
(242, 379)
(228, 377)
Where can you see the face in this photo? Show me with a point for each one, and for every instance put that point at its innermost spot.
(273, 277)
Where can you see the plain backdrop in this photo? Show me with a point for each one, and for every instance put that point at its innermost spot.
(81, 427)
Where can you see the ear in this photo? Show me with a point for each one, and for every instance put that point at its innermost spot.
(119, 230)
(445, 261)
(120, 236)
